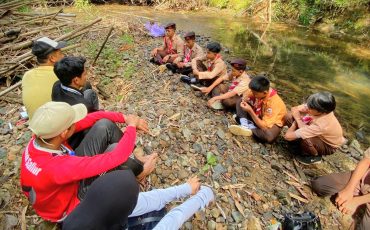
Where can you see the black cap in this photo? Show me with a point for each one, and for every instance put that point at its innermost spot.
(214, 47)
(239, 64)
(44, 46)
(170, 25)
(189, 35)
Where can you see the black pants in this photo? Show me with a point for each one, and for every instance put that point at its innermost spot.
(109, 201)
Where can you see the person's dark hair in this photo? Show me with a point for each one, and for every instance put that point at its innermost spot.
(259, 84)
(323, 102)
(214, 47)
(68, 68)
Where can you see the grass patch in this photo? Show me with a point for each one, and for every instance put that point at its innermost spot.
(127, 39)
(24, 9)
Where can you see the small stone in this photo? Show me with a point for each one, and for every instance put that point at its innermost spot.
(187, 133)
(237, 216)
(221, 134)
(218, 170)
(2, 153)
(182, 174)
(211, 225)
(188, 225)
(253, 223)
(215, 213)
(197, 147)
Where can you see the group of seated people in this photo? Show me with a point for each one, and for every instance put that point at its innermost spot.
(80, 170)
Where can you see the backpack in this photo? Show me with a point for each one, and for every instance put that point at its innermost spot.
(302, 221)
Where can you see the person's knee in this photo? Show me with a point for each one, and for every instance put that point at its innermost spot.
(104, 125)
(317, 185)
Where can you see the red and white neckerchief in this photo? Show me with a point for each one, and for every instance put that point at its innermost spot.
(187, 55)
(257, 104)
(233, 85)
(168, 43)
(211, 64)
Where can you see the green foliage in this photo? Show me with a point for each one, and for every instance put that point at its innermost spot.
(24, 9)
(211, 161)
(231, 4)
(219, 3)
(129, 70)
(82, 4)
(127, 39)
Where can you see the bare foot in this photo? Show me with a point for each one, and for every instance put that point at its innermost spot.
(149, 165)
(194, 184)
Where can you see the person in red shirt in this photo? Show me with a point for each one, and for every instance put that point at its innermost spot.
(51, 171)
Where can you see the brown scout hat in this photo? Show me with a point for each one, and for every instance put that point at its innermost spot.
(189, 35)
(170, 25)
(239, 64)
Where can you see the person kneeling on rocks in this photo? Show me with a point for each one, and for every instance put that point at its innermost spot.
(229, 94)
(72, 76)
(213, 68)
(172, 47)
(350, 190)
(182, 64)
(260, 112)
(314, 128)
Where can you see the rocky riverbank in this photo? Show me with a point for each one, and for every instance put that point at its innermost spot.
(255, 184)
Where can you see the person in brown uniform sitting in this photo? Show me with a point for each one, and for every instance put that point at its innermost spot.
(213, 68)
(350, 191)
(172, 47)
(229, 94)
(182, 64)
(314, 129)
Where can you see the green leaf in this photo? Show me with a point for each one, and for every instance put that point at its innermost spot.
(205, 168)
(211, 159)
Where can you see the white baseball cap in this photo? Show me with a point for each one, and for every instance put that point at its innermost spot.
(52, 118)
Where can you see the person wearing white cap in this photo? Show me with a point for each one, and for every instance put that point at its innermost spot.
(38, 82)
(51, 173)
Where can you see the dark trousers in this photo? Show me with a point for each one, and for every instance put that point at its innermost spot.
(262, 135)
(158, 59)
(109, 201)
(311, 146)
(229, 103)
(201, 68)
(100, 138)
(331, 184)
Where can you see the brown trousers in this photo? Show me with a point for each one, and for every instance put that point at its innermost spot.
(331, 184)
(229, 103)
(201, 67)
(263, 135)
(311, 146)
(160, 55)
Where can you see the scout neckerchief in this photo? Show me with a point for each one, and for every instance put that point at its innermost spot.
(211, 64)
(188, 54)
(235, 82)
(257, 104)
(168, 43)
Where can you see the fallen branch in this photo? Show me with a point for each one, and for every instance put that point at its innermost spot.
(298, 198)
(102, 46)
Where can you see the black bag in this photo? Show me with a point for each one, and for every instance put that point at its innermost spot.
(147, 221)
(303, 221)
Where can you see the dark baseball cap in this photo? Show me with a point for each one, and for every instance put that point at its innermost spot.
(239, 64)
(44, 46)
(170, 25)
(189, 35)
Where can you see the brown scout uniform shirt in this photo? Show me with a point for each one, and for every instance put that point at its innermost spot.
(177, 45)
(217, 68)
(196, 52)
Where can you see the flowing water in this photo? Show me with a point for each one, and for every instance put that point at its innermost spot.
(299, 60)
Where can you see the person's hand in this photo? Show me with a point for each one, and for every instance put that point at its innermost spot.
(132, 120)
(205, 90)
(343, 196)
(245, 106)
(180, 64)
(166, 58)
(194, 184)
(211, 101)
(195, 72)
(143, 126)
(349, 207)
(154, 52)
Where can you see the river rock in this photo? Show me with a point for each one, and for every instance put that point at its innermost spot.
(252, 223)
(182, 174)
(211, 225)
(237, 216)
(218, 170)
